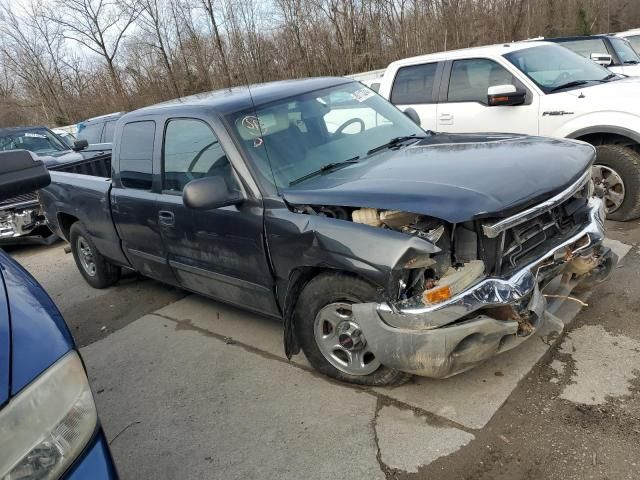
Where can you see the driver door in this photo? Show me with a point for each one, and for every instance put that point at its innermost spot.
(466, 109)
(220, 252)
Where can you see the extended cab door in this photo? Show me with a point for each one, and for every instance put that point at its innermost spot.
(463, 106)
(416, 86)
(134, 204)
(221, 252)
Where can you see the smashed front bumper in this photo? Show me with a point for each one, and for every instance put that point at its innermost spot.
(450, 337)
(24, 223)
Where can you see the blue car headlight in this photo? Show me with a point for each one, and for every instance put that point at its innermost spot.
(46, 426)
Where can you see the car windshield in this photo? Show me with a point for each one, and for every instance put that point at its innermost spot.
(40, 141)
(555, 68)
(289, 140)
(635, 42)
(625, 52)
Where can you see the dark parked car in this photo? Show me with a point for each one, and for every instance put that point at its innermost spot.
(613, 52)
(386, 250)
(49, 426)
(21, 219)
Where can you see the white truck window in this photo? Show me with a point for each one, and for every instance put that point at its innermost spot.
(586, 47)
(470, 79)
(414, 84)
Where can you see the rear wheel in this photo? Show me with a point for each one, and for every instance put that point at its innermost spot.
(616, 173)
(95, 269)
(331, 338)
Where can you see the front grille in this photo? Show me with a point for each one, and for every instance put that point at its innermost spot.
(26, 197)
(522, 244)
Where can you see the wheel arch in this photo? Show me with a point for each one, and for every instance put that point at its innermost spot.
(601, 135)
(65, 221)
(298, 279)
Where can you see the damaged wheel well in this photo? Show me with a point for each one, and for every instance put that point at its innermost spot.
(298, 280)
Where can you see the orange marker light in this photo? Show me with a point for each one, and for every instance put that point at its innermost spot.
(436, 295)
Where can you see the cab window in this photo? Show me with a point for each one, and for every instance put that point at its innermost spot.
(91, 133)
(414, 84)
(136, 154)
(191, 151)
(470, 79)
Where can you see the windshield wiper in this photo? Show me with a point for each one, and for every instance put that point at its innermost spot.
(393, 142)
(573, 83)
(325, 168)
(631, 62)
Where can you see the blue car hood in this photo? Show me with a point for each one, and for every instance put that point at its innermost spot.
(455, 178)
(33, 334)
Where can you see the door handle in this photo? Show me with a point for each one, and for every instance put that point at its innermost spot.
(446, 118)
(166, 218)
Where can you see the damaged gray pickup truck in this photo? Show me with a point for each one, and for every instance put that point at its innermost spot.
(386, 250)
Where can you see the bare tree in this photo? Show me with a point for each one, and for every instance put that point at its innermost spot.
(100, 26)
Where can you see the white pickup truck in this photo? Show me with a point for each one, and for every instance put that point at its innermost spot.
(536, 88)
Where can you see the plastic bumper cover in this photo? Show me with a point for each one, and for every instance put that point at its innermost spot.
(433, 341)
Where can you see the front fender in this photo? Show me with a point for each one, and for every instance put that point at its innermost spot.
(308, 243)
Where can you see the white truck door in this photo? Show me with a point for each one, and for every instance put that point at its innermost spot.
(415, 86)
(463, 107)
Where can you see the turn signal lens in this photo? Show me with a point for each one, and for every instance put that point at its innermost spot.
(438, 294)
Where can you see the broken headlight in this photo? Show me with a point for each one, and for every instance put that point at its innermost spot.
(455, 281)
(46, 426)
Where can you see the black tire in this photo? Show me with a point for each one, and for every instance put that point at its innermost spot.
(626, 163)
(323, 290)
(104, 274)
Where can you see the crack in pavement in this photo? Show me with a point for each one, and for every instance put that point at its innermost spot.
(431, 418)
(386, 470)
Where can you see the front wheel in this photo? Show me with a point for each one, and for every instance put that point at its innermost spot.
(330, 336)
(95, 269)
(616, 173)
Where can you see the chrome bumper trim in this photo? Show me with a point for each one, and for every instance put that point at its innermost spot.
(408, 339)
(491, 292)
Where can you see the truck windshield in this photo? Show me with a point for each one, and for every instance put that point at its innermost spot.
(40, 141)
(554, 68)
(330, 128)
(625, 51)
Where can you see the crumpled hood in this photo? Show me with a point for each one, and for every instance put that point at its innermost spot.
(453, 177)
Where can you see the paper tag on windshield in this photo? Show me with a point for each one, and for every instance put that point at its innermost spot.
(362, 94)
(34, 135)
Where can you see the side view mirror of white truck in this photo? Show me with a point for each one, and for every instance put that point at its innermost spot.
(603, 59)
(505, 95)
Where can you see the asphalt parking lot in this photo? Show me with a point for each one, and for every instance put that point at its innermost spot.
(190, 388)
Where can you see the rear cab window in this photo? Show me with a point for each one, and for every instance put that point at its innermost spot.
(414, 84)
(136, 154)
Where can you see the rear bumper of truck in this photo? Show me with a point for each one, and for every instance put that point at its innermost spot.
(447, 338)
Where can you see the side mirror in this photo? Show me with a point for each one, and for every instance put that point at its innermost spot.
(208, 193)
(80, 145)
(603, 59)
(21, 173)
(413, 115)
(505, 95)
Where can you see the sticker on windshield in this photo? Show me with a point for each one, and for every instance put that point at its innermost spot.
(35, 135)
(362, 94)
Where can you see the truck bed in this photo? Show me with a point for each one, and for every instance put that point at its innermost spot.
(84, 197)
(97, 167)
